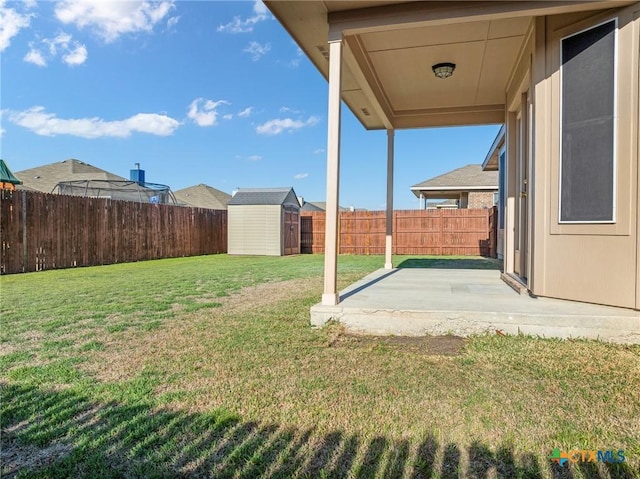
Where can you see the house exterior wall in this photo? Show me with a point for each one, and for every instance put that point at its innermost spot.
(480, 199)
(255, 230)
(591, 262)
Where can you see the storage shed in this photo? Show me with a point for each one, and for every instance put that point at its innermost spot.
(264, 221)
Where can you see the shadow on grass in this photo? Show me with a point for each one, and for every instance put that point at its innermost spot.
(444, 262)
(64, 434)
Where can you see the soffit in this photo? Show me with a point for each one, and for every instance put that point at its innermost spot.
(399, 65)
(387, 79)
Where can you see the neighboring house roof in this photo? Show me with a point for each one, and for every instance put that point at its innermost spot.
(203, 196)
(45, 178)
(320, 206)
(469, 177)
(313, 206)
(6, 176)
(264, 196)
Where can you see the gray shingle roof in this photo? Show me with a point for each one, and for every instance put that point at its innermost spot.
(203, 196)
(313, 206)
(319, 206)
(45, 178)
(470, 176)
(264, 196)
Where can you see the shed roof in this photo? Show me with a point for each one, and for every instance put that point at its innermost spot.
(264, 196)
(469, 177)
(203, 196)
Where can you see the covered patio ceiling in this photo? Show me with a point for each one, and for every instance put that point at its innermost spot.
(390, 47)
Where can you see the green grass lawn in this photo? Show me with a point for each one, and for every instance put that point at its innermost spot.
(207, 367)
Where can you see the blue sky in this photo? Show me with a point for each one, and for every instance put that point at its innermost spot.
(197, 92)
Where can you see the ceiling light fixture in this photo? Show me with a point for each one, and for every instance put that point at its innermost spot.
(443, 70)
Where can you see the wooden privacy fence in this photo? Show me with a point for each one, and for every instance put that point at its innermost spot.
(436, 232)
(41, 231)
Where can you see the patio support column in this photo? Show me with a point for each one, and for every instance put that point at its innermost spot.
(330, 296)
(388, 248)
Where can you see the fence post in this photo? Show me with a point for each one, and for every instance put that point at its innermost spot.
(24, 231)
(441, 217)
(493, 232)
(338, 232)
(395, 232)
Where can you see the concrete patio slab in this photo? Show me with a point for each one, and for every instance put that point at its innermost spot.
(415, 301)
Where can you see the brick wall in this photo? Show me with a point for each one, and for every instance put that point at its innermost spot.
(480, 199)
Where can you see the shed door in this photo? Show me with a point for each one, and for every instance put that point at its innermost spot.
(291, 231)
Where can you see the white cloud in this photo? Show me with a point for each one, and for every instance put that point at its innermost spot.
(35, 56)
(238, 25)
(172, 22)
(319, 151)
(295, 63)
(300, 176)
(254, 157)
(279, 125)
(228, 116)
(110, 19)
(73, 52)
(77, 56)
(203, 112)
(286, 109)
(257, 50)
(61, 40)
(246, 112)
(11, 22)
(259, 8)
(42, 123)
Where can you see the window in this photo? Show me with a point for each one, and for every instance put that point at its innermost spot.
(587, 165)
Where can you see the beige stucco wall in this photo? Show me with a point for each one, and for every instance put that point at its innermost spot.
(596, 263)
(255, 230)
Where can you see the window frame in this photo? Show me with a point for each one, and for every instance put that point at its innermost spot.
(614, 205)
